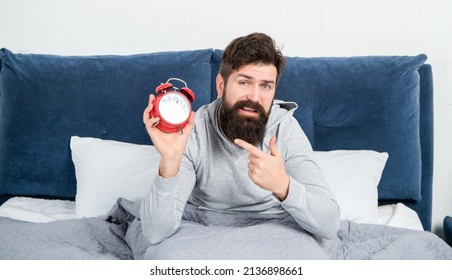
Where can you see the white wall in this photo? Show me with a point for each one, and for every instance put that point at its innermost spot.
(305, 28)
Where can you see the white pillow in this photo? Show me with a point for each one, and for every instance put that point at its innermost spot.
(353, 176)
(106, 170)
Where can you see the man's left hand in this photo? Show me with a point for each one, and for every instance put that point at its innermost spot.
(267, 170)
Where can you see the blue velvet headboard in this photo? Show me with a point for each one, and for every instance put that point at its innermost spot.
(382, 103)
(371, 103)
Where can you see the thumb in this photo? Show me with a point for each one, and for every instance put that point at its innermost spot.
(191, 119)
(191, 122)
(274, 148)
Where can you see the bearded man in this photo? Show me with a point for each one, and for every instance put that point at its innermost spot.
(244, 152)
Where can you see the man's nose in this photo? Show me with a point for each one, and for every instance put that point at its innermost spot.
(254, 94)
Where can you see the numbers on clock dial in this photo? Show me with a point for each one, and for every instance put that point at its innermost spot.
(174, 108)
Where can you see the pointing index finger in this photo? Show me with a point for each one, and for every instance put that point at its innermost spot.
(247, 146)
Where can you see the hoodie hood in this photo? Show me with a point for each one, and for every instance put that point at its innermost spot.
(281, 111)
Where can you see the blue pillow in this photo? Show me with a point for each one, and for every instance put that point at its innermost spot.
(45, 99)
(447, 223)
(369, 102)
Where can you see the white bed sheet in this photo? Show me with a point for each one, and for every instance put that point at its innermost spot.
(399, 215)
(37, 210)
(45, 210)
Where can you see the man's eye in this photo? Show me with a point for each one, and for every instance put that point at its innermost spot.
(243, 83)
(267, 86)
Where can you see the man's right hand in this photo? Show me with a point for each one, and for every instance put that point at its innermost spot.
(171, 146)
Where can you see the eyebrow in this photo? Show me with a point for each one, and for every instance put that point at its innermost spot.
(251, 78)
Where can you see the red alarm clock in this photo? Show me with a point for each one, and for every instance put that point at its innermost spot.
(173, 106)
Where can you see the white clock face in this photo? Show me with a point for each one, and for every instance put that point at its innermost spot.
(174, 107)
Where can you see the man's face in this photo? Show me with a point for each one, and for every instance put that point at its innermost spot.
(253, 82)
(247, 98)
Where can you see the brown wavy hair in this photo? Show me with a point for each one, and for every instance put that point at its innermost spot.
(254, 48)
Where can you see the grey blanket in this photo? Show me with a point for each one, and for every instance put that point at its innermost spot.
(208, 235)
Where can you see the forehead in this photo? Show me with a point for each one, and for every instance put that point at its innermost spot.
(264, 72)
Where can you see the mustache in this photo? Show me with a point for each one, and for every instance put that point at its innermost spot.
(249, 105)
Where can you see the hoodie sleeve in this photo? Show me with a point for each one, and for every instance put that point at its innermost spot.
(163, 205)
(310, 200)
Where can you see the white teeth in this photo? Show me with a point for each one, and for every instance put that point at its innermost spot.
(248, 109)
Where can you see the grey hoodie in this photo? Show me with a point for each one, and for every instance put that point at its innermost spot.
(213, 177)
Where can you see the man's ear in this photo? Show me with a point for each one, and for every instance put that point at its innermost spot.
(220, 85)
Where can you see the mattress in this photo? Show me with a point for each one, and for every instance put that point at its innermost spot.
(39, 210)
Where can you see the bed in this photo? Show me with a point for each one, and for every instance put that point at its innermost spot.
(75, 159)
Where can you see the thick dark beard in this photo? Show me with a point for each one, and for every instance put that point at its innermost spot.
(250, 129)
